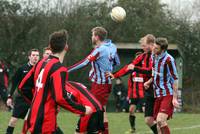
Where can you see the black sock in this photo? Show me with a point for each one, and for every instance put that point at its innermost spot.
(132, 121)
(58, 131)
(10, 130)
(154, 129)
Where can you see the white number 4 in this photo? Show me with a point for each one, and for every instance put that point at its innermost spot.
(39, 83)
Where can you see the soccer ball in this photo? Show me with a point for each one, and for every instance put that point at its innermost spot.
(118, 14)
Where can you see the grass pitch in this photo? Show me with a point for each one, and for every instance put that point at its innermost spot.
(118, 123)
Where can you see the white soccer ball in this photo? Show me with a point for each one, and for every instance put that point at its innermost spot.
(118, 14)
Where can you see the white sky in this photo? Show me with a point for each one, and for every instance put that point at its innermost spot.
(179, 7)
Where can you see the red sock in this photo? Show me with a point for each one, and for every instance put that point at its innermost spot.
(165, 130)
(106, 128)
(25, 127)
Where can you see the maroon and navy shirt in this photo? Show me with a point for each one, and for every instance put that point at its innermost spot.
(163, 70)
(164, 74)
(103, 58)
(47, 79)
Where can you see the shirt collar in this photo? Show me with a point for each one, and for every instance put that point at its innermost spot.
(159, 56)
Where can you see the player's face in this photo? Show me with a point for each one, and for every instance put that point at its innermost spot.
(34, 57)
(47, 53)
(151, 45)
(144, 46)
(94, 38)
(157, 49)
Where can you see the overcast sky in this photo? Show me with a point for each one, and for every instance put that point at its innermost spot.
(178, 7)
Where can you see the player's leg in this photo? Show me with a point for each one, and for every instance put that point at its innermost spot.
(102, 92)
(82, 124)
(96, 123)
(162, 123)
(19, 112)
(105, 121)
(165, 112)
(11, 125)
(133, 102)
(148, 113)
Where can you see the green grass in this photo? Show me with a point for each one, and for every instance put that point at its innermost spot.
(180, 124)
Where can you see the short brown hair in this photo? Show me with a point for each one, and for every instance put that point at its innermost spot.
(101, 32)
(150, 38)
(32, 50)
(162, 42)
(46, 48)
(58, 40)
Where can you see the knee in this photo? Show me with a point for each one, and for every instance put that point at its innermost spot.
(146, 121)
(13, 121)
(149, 121)
(161, 123)
(132, 109)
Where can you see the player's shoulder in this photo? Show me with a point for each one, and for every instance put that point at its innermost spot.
(58, 67)
(169, 57)
(142, 55)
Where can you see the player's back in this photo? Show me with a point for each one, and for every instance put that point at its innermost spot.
(107, 59)
(107, 56)
(80, 93)
(43, 105)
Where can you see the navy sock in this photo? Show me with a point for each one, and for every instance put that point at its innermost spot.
(10, 130)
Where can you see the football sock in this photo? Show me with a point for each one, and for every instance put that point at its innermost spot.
(10, 130)
(165, 130)
(132, 121)
(106, 128)
(154, 129)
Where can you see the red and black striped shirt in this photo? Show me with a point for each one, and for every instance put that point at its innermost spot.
(47, 78)
(136, 86)
(143, 63)
(80, 94)
(4, 71)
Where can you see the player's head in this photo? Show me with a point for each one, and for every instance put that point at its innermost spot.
(33, 56)
(150, 40)
(46, 52)
(99, 34)
(58, 41)
(147, 42)
(160, 45)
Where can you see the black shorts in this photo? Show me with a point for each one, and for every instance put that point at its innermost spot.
(20, 107)
(91, 123)
(136, 101)
(149, 105)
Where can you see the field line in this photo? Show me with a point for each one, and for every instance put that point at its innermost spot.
(173, 129)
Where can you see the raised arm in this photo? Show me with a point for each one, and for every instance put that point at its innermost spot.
(94, 55)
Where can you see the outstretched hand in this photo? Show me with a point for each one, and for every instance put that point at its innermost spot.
(88, 110)
(131, 66)
(109, 74)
